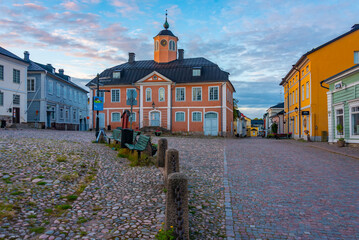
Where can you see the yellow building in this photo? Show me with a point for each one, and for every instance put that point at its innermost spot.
(305, 100)
(248, 122)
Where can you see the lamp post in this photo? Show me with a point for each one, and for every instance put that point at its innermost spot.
(153, 105)
(97, 112)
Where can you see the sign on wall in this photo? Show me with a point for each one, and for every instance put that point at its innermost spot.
(305, 112)
(98, 103)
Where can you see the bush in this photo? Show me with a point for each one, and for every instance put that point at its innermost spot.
(274, 128)
(123, 153)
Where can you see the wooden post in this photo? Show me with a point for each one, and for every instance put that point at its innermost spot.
(161, 152)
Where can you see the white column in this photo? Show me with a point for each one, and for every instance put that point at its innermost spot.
(187, 119)
(224, 108)
(330, 114)
(90, 121)
(141, 107)
(169, 97)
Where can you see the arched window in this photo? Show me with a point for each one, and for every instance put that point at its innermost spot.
(161, 94)
(148, 95)
(172, 45)
(156, 46)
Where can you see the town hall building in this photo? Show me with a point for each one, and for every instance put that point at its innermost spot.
(173, 92)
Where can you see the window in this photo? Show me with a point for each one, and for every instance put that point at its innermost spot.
(116, 117)
(161, 94)
(196, 117)
(65, 92)
(1, 72)
(302, 73)
(148, 95)
(293, 100)
(70, 94)
(115, 95)
(213, 93)
(1, 99)
(355, 120)
(53, 114)
(356, 57)
(74, 115)
(295, 123)
(302, 92)
(16, 76)
(31, 84)
(99, 94)
(133, 116)
(61, 113)
(339, 122)
(67, 115)
(75, 96)
(179, 117)
(296, 77)
(172, 46)
(196, 72)
(180, 94)
(307, 89)
(116, 74)
(58, 89)
(196, 94)
(296, 95)
(307, 69)
(156, 46)
(16, 99)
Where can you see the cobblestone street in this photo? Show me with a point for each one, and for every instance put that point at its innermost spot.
(284, 189)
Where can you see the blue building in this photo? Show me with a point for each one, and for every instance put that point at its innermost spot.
(53, 100)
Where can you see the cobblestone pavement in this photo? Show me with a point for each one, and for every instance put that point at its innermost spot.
(59, 185)
(280, 189)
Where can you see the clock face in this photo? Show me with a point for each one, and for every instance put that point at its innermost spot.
(163, 42)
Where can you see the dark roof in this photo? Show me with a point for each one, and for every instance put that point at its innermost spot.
(355, 27)
(258, 122)
(34, 66)
(279, 105)
(342, 72)
(166, 33)
(179, 71)
(280, 113)
(5, 52)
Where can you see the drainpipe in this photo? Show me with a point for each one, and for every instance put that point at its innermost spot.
(300, 97)
(321, 84)
(171, 106)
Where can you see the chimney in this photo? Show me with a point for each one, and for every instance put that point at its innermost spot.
(26, 56)
(355, 26)
(131, 57)
(180, 54)
(49, 66)
(61, 71)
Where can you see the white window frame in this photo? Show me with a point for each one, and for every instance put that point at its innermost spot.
(116, 72)
(184, 116)
(156, 45)
(31, 79)
(159, 94)
(112, 120)
(148, 92)
(119, 95)
(133, 117)
(303, 92)
(184, 94)
(58, 90)
(172, 45)
(65, 92)
(2, 73)
(193, 113)
(193, 95)
(351, 105)
(196, 72)
(307, 89)
(338, 107)
(356, 57)
(14, 96)
(61, 113)
(296, 95)
(209, 93)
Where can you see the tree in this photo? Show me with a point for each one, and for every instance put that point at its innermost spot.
(235, 110)
(274, 127)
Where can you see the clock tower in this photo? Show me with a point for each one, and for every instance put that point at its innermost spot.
(165, 45)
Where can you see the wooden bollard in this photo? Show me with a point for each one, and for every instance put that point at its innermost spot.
(171, 163)
(161, 152)
(176, 214)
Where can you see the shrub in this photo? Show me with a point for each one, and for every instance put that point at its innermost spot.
(71, 197)
(165, 235)
(37, 229)
(274, 127)
(61, 159)
(123, 153)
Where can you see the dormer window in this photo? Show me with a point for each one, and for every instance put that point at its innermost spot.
(172, 46)
(196, 72)
(117, 74)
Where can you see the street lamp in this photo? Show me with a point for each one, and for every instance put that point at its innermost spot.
(296, 109)
(153, 105)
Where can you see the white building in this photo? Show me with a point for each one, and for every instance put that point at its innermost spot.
(13, 88)
(270, 115)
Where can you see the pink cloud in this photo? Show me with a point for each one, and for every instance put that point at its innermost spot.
(31, 6)
(126, 8)
(71, 5)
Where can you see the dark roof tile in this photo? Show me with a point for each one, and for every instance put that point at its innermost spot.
(5, 52)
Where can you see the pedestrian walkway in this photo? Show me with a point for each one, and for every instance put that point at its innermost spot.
(285, 190)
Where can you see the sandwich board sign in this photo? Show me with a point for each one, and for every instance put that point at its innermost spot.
(98, 103)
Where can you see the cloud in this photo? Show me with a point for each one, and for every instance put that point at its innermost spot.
(31, 6)
(71, 5)
(128, 8)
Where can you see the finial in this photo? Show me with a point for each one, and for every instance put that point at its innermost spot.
(166, 25)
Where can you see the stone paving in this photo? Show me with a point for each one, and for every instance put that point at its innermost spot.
(59, 185)
(282, 189)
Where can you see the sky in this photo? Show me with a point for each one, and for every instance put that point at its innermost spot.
(256, 41)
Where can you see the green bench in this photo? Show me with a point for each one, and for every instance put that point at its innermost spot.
(116, 136)
(140, 145)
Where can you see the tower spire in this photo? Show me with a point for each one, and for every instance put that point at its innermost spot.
(166, 25)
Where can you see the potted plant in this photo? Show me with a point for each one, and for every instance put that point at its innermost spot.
(158, 132)
(340, 129)
(154, 148)
(308, 136)
(341, 142)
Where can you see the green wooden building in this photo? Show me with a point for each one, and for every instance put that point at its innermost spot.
(343, 105)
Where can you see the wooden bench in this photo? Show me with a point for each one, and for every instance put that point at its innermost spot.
(140, 145)
(116, 136)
